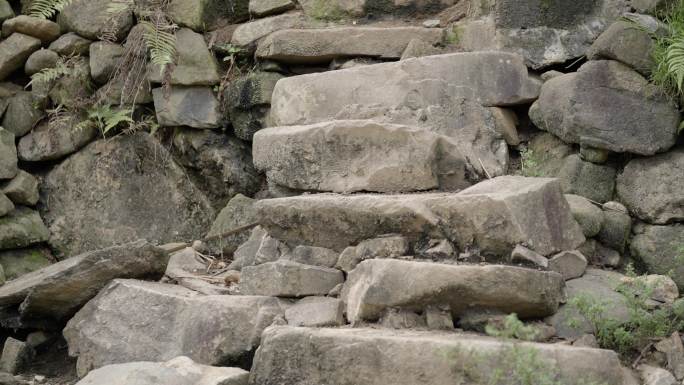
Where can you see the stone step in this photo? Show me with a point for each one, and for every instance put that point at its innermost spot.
(312, 46)
(145, 321)
(360, 155)
(492, 217)
(377, 285)
(307, 356)
(404, 90)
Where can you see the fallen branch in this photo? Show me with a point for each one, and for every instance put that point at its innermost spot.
(214, 237)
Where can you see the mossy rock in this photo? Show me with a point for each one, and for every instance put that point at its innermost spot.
(23, 261)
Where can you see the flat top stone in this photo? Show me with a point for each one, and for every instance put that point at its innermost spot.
(490, 78)
(195, 64)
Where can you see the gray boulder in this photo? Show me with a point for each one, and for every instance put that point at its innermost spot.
(589, 216)
(55, 140)
(221, 165)
(195, 64)
(363, 155)
(134, 190)
(59, 290)
(262, 8)
(337, 221)
(71, 44)
(16, 356)
(22, 227)
(42, 29)
(607, 105)
(390, 246)
(324, 356)
(196, 107)
(178, 371)
(259, 248)
(22, 190)
(6, 205)
(104, 60)
(316, 312)
(661, 249)
(590, 180)
(569, 264)
(286, 278)
(322, 45)
(543, 33)
(629, 42)
(18, 262)
(312, 255)
(238, 212)
(652, 187)
(200, 15)
(8, 155)
(6, 11)
(22, 114)
(379, 284)
(616, 227)
(15, 50)
(40, 60)
(247, 35)
(91, 19)
(248, 100)
(209, 329)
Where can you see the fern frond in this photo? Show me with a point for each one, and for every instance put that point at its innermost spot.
(46, 9)
(161, 42)
(47, 75)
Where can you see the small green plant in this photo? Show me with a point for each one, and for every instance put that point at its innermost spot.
(644, 325)
(46, 9)
(63, 67)
(105, 118)
(531, 163)
(453, 35)
(512, 328)
(669, 52)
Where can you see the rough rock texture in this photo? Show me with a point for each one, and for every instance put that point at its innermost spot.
(121, 190)
(323, 45)
(195, 65)
(42, 29)
(166, 321)
(389, 246)
(652, 187)
(202, 14)
(616, 226)
(59, 290)
(15, 50)
(607, 105)
(316, 311)
(6, 205)
(315, 256)
(379, 284)
(626, 41)
(360, 155)
(309, 356)
(427, 81)
(71, 89)
(544, 33)
(186, 269)
(40, 60)
(195, 107)
(55, 140)
(22, 227)
(70, 44)
(248, 100)
(494, 216)
(592, 181)
(286, 278)
(259, 248)
(262, 8)
(588, 215)
(6, 11)
(98, 20)
(178, 371)
(21, 114)
(8, 155)
(19, 262)
(569, 264)
(238, 212)
(16, 355)
(660, 249)
(104, 59)
(22, 190)
(221, 165)
(248, 34)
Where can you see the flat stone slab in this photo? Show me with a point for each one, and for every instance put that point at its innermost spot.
(494, 216)
(323, 45)
(380, 284)
(59, 290)
(178, 371)
(145, 321)
(488, 78)
(359, 155)
(284, 278)
(307, 356)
